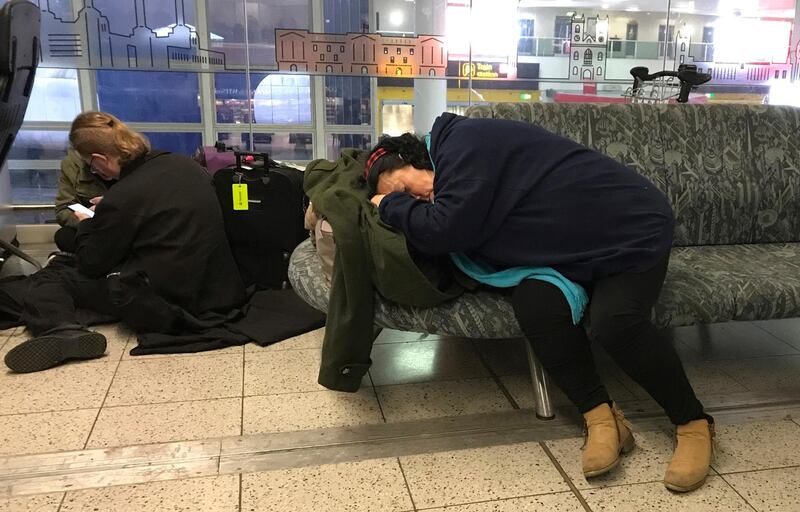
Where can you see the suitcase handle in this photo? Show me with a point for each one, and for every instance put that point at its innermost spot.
(240, 154)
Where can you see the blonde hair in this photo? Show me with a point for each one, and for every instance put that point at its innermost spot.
(100, 132)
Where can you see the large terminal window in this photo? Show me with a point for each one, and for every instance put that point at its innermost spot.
(302, 79)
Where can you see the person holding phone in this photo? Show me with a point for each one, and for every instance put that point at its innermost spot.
(76, 185)
(154, 255)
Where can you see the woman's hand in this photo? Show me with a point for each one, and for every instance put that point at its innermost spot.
(81, 216)
(376, 199)
(95, 201)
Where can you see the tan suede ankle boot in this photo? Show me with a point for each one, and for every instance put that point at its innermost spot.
(608, 435)
(690, 463)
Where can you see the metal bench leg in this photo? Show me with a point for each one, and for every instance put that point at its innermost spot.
(541, 387)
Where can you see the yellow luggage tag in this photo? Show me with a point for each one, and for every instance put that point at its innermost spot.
(240, 201)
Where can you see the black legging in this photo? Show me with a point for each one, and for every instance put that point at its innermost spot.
(619, 314)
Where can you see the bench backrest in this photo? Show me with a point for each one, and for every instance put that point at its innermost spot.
(731, 172)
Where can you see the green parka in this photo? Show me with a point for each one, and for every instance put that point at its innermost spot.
(370, 256)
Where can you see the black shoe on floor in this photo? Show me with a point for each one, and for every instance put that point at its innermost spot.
(51, 350)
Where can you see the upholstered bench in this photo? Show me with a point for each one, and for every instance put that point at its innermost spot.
(732, 174)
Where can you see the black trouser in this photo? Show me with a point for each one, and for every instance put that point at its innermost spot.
(619, 312)
(59, 297)
(65, 239)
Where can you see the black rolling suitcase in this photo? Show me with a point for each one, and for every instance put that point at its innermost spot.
(263, 206)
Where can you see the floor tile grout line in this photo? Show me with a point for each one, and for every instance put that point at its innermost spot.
(744, 358)
(173, 357)
(408, 487)
(241, 486)
(493, 500)
(241, 399)
(733, 377)
(377, 398)
(776, 337)
(757, 470)
(61, 502)
(496, 378)
(179, 401)
(105, 397)
(431, 382)
(565, 476)
(737, 492)
(119, 406)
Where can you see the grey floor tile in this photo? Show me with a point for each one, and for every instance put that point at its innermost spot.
(45, 432)
(176, 380)
(787, 329)
(372, 485)
(161, 423)
(770, 490)
(714, 496)
(37, 503)
(407, 402)
(559, 502)
(732, 340)
(425, 361)
(480, 474)
(646, 463)
(706, 377)
(394, 336)
(66, 387)
(310, 410)
(750, 446)
(312, 339)
(521, 388)
(212, 494)
(283, 371)
(764, 373)
(505, 356)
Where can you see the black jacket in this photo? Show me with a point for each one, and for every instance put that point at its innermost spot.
(163, 218)
(514, 194)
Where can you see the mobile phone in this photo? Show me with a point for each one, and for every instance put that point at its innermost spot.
(77, 207)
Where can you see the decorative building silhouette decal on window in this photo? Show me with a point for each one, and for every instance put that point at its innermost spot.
(88, 42)
(589, 43)
(87, 39)
(357, 53)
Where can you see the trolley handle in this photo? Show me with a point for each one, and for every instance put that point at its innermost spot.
(687, 75)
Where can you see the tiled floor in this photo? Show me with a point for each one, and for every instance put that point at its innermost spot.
(123, 400)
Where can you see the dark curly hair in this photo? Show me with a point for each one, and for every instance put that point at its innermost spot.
(407, 149)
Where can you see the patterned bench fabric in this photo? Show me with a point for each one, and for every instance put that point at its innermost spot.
(623, 132)
(704, 285)
(732, 174)
(708, 173)
(774, 139)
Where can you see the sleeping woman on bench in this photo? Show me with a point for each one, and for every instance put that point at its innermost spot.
(517, 206)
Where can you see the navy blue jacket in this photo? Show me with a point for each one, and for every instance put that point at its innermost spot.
(513, 194)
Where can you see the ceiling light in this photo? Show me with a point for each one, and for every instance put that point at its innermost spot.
(396, 18)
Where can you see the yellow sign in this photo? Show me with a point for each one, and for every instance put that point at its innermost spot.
(478, 70)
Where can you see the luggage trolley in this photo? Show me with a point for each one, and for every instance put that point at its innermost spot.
(664, 86)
